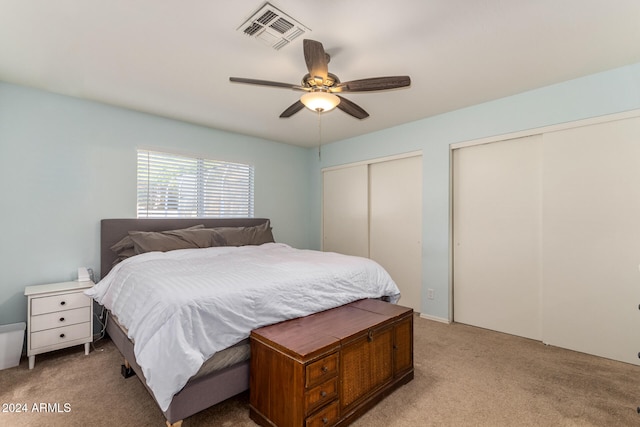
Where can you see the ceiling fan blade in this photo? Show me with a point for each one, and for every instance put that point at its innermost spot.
(266, 83)
(316, 59)
(374, 83)
(352, 108)
(294, 108)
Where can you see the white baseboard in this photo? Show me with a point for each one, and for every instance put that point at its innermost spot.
(435, 318)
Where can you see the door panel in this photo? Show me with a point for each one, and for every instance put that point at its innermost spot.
(591, 246)
(496, 223)
(395, 215)
(345, 211)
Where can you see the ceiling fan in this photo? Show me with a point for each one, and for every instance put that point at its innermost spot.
(322, 86)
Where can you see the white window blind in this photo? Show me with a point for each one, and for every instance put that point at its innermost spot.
(171, 185)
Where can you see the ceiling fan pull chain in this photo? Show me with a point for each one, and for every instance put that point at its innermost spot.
(319, 136)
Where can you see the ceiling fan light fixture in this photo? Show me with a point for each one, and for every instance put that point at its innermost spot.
(320, 101)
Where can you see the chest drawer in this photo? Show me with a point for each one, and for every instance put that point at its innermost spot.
(59, 302)
(60, 318)
(60, 335)
(321, 370)
(320, 395)
(325, 417)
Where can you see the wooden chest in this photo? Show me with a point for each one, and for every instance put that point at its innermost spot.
(329, 368)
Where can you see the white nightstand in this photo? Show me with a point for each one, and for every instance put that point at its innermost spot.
(59, 316)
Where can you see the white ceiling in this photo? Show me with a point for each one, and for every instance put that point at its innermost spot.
(174, 58)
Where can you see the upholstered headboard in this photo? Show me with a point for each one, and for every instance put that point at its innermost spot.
(113, 230)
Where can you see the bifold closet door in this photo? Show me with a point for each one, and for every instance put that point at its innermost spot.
(345, 210)
(496, 236)
(395, 224)
(591, 244)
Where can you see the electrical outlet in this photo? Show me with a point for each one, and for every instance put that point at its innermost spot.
(430, 293)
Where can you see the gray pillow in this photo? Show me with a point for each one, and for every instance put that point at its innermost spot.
(163, 241)
(242, 236)
(124, 247)
(123, 244)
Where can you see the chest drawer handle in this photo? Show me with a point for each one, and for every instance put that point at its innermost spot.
(325, 420)
(62, 319)
(61, 335)
(63, 302)
(323, 393)
(370, 336)
(324, 369)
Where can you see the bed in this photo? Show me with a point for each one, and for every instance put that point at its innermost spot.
(229, 344)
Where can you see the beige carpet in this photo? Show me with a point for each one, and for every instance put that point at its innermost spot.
(464, 376)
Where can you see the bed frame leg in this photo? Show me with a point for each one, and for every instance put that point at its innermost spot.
(176, 424)
(127, 371)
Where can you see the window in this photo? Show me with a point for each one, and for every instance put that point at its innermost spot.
(171, 185)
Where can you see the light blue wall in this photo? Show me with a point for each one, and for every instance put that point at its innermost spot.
(66, 163)
(595, 95)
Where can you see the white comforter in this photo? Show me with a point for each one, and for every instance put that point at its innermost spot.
(181, 307)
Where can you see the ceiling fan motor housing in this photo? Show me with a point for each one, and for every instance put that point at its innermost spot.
(318, 82)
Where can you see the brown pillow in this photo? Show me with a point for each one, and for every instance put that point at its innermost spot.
(124, 247)
(124, 254)
(149, 241)
(242, 236)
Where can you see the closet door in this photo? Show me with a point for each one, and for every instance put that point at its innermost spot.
(496, 235)
(395, 218)
(345, 210)
(591, 247)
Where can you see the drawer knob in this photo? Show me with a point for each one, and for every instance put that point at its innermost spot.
(62, 319)
(61, 335)
(63, 302)
(324, 369)
(323, 393)
(325, 420)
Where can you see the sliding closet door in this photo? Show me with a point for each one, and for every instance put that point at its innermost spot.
(395, 218)
(496, 235)
(345, 210)
(591, 247)
(375, 211)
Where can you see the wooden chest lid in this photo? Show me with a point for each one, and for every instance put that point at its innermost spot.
(311, 336)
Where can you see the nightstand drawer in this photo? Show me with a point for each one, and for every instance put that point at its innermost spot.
(60, 318)
(60, 335)
(321, 370)
(60, 302)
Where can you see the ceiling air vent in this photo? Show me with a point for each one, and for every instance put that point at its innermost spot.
(273, 27)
